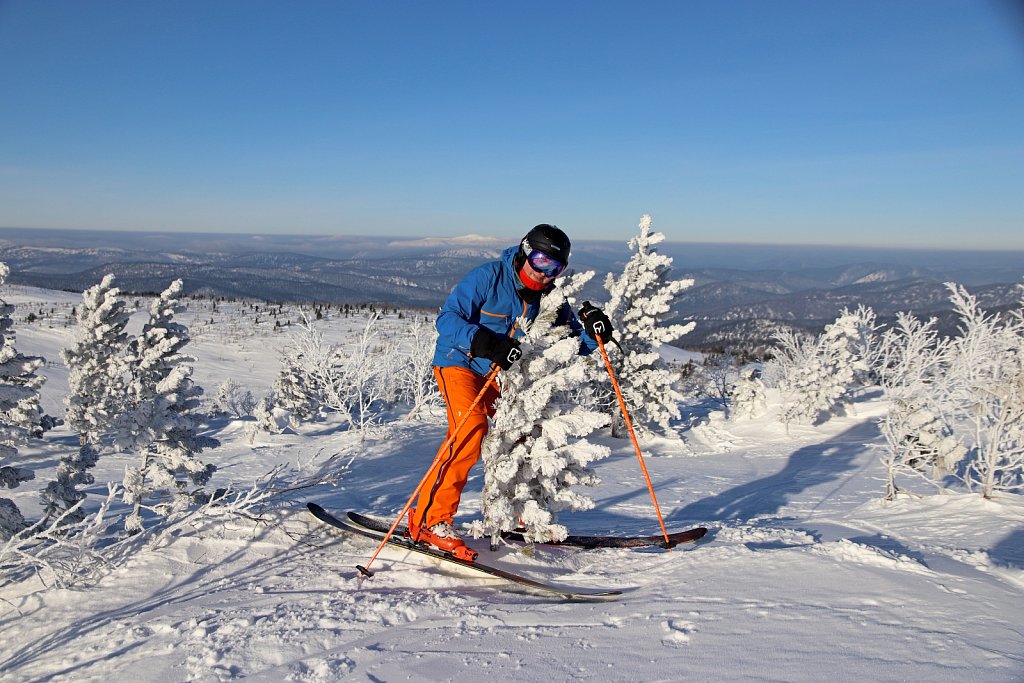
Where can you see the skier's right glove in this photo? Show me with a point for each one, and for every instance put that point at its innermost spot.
(496, 348)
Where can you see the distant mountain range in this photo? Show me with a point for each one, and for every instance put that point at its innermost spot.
(742, 293)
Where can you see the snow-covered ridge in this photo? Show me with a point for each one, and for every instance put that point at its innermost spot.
(464, 240)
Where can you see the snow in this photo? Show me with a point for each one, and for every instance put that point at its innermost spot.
(806, 574)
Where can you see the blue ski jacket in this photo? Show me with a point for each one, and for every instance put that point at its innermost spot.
(488, 297)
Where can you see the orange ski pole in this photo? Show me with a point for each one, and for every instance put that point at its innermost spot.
(632, 434)
(365, 570)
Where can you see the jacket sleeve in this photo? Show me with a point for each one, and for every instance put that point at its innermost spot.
(459, 319)
(566, 317)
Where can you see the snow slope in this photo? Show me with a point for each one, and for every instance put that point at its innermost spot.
(805, 576)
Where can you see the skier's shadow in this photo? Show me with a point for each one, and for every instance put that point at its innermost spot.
(810, 466)
(1009, 552)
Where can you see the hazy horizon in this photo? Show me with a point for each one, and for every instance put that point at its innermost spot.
(687, 253)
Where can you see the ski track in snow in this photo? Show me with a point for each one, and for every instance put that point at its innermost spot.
(805, 575)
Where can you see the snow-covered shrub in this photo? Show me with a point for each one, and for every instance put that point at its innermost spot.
(162, 421)
(639, 305)
(356, 380)
(820, 375)
(19, 391)
(919, 442)
(72, 550)
(987, 374)
(96, 370)
(415, 376)
(62, 494)
(918, 426)
(269, 417)
(748, 396)
(293, 391)
(535, 454)
(232, 400)
(713, 379)
(956, 405)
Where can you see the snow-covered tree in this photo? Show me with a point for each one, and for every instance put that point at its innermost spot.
(293, 390)
(162, 421)
(61, 495)
(535, 454)
(24, 413)
(748, 396)
(918, 426)
(19, 388)
(957, 404)
(987, 373)
(819, 376)
(96, 370)
(231, 399)
(355, 380)
(639, 305)
(269, 417)
(713, 380)
(919, 442)
(416, 383)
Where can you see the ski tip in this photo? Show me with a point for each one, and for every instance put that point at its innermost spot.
(364, 571)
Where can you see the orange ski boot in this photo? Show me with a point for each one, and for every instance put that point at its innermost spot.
(443, 537)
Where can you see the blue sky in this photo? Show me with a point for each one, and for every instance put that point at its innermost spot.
(855, 122)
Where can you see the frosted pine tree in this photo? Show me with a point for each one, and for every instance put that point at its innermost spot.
(639, 305)
(62, 494)
(821, 376)
(535, 452)
(96, 371)
(748, 396)
(162, 422)
(295, 389)
(18, 388)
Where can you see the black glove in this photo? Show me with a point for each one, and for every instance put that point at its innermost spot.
(595, 322)
(496, 348)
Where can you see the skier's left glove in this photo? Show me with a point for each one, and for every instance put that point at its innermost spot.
(595, 322)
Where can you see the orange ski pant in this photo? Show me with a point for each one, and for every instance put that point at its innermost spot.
(442, 487)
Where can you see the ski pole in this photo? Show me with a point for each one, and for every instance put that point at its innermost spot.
(636, 445)
(365, 570)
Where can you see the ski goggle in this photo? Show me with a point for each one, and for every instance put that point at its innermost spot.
(543, 263)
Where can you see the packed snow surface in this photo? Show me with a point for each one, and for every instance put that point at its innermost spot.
(806, 574)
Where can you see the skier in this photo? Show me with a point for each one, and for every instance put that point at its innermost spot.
(477, 329)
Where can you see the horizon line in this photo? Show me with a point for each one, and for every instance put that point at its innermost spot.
(399, 238)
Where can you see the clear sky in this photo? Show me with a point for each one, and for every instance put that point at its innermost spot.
(868, 122)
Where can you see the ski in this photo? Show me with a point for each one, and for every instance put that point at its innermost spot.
(585, 542)
(592, 542)
(376, 530)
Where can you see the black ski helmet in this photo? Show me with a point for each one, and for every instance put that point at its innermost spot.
(548, 239)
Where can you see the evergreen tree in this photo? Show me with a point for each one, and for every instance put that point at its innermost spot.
(534, 453)
(96, 371)
(62, 493)
(821, 376)
(748, 396)
(293, 390)
(161, 423)
(640, 303)
(19, 387)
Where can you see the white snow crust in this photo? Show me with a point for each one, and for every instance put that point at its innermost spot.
(806, 574)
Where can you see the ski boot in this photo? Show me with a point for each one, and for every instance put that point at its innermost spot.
(441, 536)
